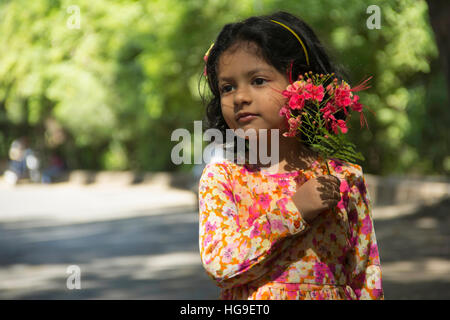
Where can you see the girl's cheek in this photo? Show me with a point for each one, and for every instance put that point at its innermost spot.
(227, 111)
(229, 120)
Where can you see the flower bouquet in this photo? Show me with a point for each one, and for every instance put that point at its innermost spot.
(313, 101)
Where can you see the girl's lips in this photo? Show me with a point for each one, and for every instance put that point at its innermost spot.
(247, 118)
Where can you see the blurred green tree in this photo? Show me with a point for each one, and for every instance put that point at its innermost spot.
(409, 132)
(119, 76)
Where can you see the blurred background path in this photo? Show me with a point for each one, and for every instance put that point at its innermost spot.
(92, 93)
(141, 242)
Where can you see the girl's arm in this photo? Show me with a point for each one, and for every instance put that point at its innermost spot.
(230, 254)
(365, 276)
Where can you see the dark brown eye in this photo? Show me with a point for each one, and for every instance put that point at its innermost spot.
(225, 88)
(259, 81)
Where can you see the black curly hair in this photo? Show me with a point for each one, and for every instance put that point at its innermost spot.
(278, 47)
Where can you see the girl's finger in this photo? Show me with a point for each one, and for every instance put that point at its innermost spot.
(335, 179)
(334, 183)
(338, 196)
(328, 178)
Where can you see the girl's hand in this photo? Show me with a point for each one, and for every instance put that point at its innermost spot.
(316, 195)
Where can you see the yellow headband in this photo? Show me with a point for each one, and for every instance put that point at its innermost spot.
(205, 58)
(298, 38)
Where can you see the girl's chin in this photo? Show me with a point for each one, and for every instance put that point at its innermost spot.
(252, 126)
(249, 132)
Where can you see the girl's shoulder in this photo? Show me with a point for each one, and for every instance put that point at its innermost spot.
(345, 170)
(225, 168)
(221, 166)
(353, 174)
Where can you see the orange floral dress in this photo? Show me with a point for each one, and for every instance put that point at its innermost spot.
(255, 245)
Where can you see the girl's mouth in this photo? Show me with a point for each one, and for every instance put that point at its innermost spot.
(246, 117)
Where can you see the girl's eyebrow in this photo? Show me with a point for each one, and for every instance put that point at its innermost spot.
(248, 74)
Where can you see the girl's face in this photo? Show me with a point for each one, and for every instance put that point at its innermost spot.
(246, 84)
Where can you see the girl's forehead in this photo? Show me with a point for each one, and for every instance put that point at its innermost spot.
(241, 59)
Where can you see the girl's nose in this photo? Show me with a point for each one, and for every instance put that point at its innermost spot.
(242, 96)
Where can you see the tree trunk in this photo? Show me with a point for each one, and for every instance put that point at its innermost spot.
(439, 11)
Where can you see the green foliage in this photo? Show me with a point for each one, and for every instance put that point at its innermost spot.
(127, 77)
(400, 56)
(336, 146)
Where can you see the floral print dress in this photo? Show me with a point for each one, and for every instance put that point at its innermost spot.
(255, 245)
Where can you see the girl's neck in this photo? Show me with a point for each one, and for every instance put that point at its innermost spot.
(293, 156)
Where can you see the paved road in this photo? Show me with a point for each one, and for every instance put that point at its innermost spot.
(129, 245)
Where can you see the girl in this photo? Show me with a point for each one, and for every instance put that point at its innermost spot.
(298, 233)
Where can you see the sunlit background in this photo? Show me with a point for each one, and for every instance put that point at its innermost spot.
(91, 91)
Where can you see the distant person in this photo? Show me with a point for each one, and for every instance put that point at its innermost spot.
(54, 170)
(17, 156)
(298, 233)
(23, 162)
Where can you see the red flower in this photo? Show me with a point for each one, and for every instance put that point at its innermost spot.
(317, 92)
(330, 119)
(297, 101)
(339, 124)
(330, 89)
(356, 106)
(294, 123)
(295, 88)
(342, 96)
(285, 112)
(286, 93)
(312, 87)
(328, 111)
(307, 92)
